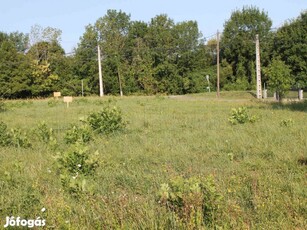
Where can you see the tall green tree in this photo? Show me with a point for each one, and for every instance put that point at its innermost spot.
(140, 60)
(85, 65)
(237, 43)
(15, 71)
(20, 40)
(290, 44)
(112, 31)
(187, 39)
(45, 60)
(279, 75)
(162, 43)
(152, 57)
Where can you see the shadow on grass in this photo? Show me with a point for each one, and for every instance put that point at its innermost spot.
(294, 106)
(253, 94)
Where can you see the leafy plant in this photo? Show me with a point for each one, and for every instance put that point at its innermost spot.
(5, 138)
(240, 116)
(14, 137)
(194, 201)
(236, 43)
(74, 185)
(45, 134)
(286, 122)
(75, 165)
(107, 121)
(19, 139)
(77, 160)
(78, 134)
(279, 75)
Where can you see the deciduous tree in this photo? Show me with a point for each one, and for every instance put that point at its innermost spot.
(279, 77)
(112, 31)
(238, 41)
(290, 43)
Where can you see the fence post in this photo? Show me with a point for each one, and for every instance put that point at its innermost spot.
(265, 94)
(300, 94)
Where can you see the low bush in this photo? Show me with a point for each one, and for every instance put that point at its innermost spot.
(194, 201)
(107, 121)
(14, 137)
(240, 116)
(45, 134)
(19, 139)
(75, 165)
(5, 138)
(286, 123)
(78, 134)
(78, 160)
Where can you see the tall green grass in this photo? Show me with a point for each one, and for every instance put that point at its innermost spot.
(257, 167)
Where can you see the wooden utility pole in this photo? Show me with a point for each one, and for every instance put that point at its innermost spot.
(100, 73)
(218, 64)
(258, 70)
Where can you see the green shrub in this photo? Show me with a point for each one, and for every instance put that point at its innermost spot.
(240, 116)
(195, 202)
(75, 165)
(286, 123)
(14, 137)
(107, 121)
(5, 139)
(19, 139)
(77, 160)
(78, 134)
(74, 185)
(45, 134)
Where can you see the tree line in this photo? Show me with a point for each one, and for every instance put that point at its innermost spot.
(154, 57)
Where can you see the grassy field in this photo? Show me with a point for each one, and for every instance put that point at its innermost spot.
(178, 164)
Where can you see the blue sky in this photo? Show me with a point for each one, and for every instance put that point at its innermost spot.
(71, 16)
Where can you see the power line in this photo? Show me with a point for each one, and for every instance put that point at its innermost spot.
(211, 36)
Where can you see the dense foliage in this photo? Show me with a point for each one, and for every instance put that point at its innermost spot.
(160, 56)
(238, 43)
(280, 77)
